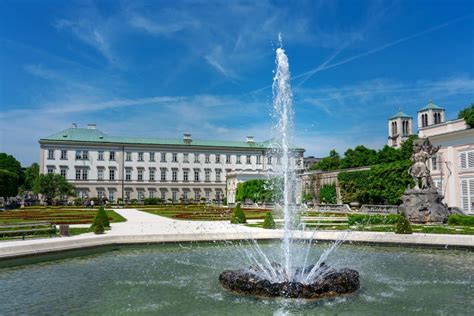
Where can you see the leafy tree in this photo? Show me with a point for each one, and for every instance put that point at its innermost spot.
(359, 157)
(8, 183)
(332, 162)
(269, 222)
(258, 190)
(53, 186)
(31, 174)
(328, 194)
(406, 149)
(468, 115)
(9, 163)
(239, 216)
(387, 182)
(354, 186)
(388, 154)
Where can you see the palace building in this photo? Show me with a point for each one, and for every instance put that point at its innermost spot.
(114, 167)
(452, 169)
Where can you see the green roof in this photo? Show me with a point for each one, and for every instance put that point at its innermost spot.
(400, 114)
(431, 106)
(97, 136)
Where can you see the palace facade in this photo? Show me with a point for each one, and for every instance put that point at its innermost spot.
(114, 167)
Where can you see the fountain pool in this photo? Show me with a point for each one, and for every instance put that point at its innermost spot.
(174, 279)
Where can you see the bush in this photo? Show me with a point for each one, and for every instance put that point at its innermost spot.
(353, 185)
(327, 194)
(375, 219)
(99, 228)
(403, 225)
(461, 220)
(269, 222)
(239, 216)
(152, 201)
(101, 218)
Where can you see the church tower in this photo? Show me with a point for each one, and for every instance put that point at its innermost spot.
(399, 129)
(430, 114)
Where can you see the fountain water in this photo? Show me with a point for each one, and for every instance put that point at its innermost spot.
(267, 278)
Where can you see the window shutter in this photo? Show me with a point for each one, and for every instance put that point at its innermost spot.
(470, 159)
(464, 195)
(463, 160)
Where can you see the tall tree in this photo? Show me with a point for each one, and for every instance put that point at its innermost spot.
(359, 157)
(31, 174)
(8, 183)
(53, 187)
(468, 115)
(332, 162)
(8, 162)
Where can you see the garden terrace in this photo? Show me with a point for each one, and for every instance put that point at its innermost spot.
(202, 212)
(56, 215)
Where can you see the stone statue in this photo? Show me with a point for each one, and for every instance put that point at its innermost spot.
(422, 151)
(423, 203)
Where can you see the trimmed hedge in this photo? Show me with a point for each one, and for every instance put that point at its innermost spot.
(375, 219)
(353, 186)
(101, 219)
(239, 216)
(403, 225)
(461, 220)
(269, 222)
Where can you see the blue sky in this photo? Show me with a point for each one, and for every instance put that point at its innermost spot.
(162, 68)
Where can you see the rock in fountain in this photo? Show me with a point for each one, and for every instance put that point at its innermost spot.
(286, 280)
(328, 282)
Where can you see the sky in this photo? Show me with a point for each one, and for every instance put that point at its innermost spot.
(163, 68)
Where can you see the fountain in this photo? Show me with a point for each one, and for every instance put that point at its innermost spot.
(271, 279)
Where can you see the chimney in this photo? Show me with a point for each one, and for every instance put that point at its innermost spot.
(187, 139)
(74, 125)
(91, 126)
(250, 140)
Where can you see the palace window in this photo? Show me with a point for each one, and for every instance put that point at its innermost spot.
(140, 174)
(227, 158)
(81, 174)
(185, 196)
(163, 175)
(196, 158)
(152, 175)
(196, 175)
(163, 157)
(100, 155)
(218, 175)
(140, 156)
(50, 170)
(218, 158)
(174, 196)
(112, 174)
(185, 175)
(174, 175)
(185, 157)
(128, 174)
(434, 163)
(100, 174)
(163, 195)
(249, 160)
(63, 172)
(269, 160)
(151, 194)
(50, 153)
(111, 195)
(140, 195)
(152, 156)
(82, 155)
(208, 158)
(112, 156)
(238, 159)
(207, 175)
(128, 156)
(259, 159)
(63, 154)
(196, 195)
(467, 195)
(174, 157)
(128, 195)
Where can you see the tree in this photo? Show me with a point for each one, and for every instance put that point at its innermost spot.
(388, 154)
(257, 190)
(359, 157)
(100, 219)
(387, 182)
(269, 222)
(239, 216)
(468, 115)
(9, 163)
(53, 187)
(8, 183)
(31, 174)
(332, 162)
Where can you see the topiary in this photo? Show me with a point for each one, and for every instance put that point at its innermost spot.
(403, 225)
(99, 228)
(101, 217)
(269, 222)
(239, 216)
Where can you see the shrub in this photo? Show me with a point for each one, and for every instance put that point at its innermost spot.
(99, 228)
(403, 225)
(152, 201)
(375, 219)
(239, 216)
(353, 185)
(461, 220)
(101, 217)
(468, 115)
(269, 222)
(327, 194)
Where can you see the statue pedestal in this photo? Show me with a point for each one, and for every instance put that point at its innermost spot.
(424, 206)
